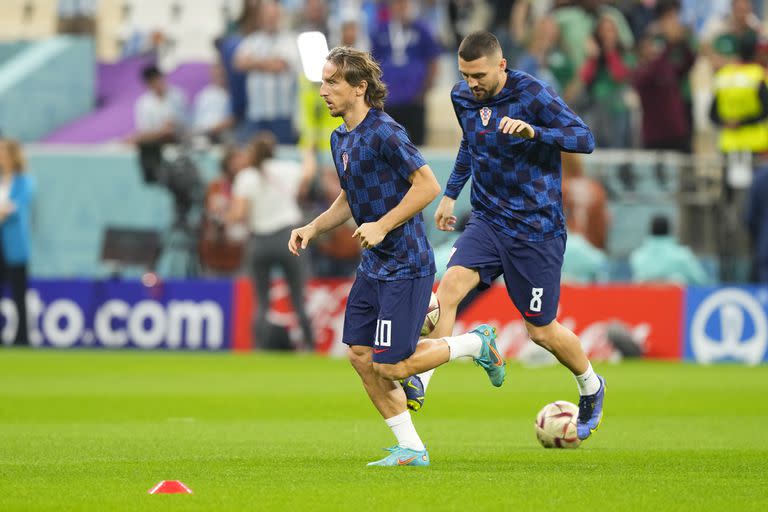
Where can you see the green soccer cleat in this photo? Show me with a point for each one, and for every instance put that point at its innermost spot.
(490, 359)
(400, 456)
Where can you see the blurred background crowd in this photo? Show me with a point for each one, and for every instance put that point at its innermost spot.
(183, 137)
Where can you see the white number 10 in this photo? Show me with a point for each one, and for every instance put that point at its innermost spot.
(383, 336)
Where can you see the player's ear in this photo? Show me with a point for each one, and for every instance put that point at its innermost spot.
(362, 87)
(503, 64)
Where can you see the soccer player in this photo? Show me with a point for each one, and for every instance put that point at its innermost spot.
(385, 185)
(514, 128)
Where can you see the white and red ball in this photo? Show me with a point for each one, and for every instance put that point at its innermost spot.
(556, 425)
(433, 315)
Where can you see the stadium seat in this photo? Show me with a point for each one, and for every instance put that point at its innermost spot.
(631, 223)
(28, 19)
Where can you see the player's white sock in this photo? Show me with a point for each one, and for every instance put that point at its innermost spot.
(464, 345)
(588, 382)
(405, 432)
(426, 377)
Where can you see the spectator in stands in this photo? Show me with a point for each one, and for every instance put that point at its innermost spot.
(543, 57)
(662, 259)
(221, 242)
(696, 13)
(757, 222)
(246, 24)
(583, 263)
(641, 15)
(270, 57)
(723, 38)
(266, 194)
(577, 23)
(351, 32)
(525, 15)
(213, 110)
(160, 116)
(501, 24)
(314, 17)
(605, 75)
(408, 54)
(16, 193)
(661, 81)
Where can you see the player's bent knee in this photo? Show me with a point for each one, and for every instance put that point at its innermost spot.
(541, 335)
(359, 357)
(396, 371)
(456, 284)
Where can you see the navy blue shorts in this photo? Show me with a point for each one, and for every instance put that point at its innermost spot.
(387, 315)
(531, 269)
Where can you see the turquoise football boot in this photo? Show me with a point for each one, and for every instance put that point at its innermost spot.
(400, 456)
(490, 358)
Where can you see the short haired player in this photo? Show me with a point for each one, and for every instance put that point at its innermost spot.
(385, 185)
(514, 128)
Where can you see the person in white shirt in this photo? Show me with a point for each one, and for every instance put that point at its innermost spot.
(213, 111)
(270, 57)
(160, 117)
(266, 194)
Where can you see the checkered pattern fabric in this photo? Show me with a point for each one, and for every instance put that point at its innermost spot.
(374, 162)
(516, 183)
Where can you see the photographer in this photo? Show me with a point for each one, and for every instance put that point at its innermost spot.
(160, 115)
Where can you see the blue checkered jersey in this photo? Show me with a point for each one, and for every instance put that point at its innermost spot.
(516, 183)
(374, 162)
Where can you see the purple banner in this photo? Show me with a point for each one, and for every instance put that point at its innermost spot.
(174, 315)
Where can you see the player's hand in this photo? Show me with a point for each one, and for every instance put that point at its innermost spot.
(516, 128)
(370, 234)
(444, 217)
(300, 238)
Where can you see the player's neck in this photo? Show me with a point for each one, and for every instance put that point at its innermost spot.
(355, 116)
(501, 85)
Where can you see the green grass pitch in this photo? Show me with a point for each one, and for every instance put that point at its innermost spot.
(96, 430)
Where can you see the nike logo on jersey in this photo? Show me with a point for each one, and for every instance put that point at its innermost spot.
(529, 314)
(379, 350)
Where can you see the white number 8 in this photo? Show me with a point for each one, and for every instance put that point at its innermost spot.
(535, 304)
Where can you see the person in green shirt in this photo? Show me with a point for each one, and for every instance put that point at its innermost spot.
(577, 22)
(605, 77)
(663, 259)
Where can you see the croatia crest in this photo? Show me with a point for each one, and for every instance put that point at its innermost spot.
(485, 115)
(345, 160)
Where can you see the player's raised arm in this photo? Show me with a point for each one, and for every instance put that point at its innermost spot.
(336, 215)
(557, 124)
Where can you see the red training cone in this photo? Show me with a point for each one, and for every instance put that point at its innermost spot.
(170, 487)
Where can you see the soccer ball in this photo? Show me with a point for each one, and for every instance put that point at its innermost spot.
(556, 425)
(433, 315)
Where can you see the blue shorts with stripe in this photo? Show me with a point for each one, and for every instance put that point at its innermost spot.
(387, 315)
(531, 270)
